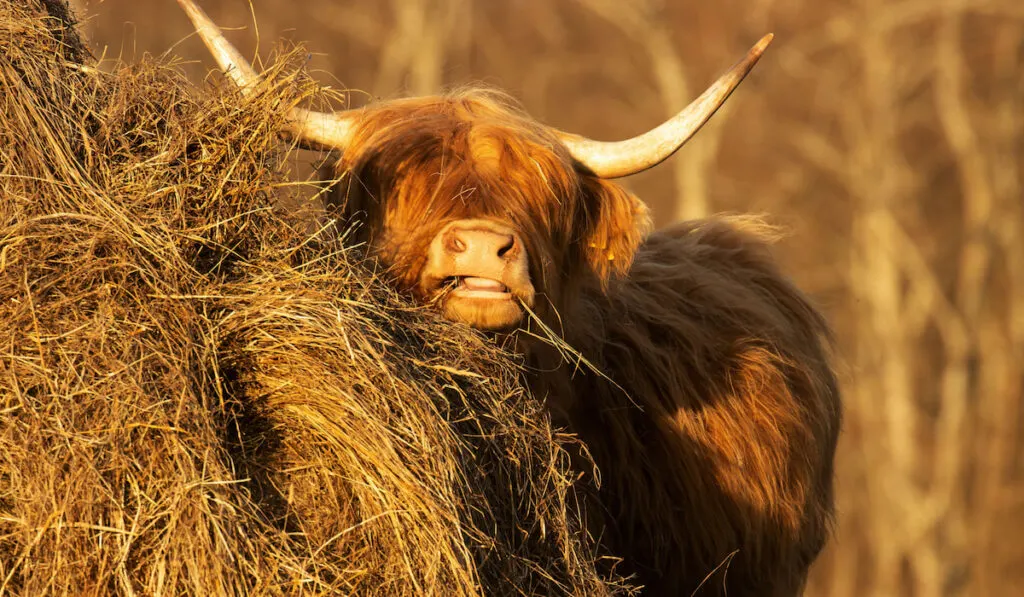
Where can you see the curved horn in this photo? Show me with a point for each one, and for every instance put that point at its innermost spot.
(622, 158)
(332, 130)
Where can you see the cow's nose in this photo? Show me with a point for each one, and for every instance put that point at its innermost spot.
(482, 243)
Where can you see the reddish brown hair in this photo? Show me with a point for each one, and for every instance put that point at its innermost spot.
(416, 164)
(714, 418)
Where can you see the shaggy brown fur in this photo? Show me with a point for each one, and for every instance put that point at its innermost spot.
(714, 418)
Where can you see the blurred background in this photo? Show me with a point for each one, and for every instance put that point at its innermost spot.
(887, 136)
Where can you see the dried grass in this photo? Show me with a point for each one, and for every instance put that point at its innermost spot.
(195, 399)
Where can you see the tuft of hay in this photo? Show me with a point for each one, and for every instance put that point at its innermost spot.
(196, 400)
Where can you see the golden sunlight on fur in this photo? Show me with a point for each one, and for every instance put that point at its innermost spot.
(709, 404)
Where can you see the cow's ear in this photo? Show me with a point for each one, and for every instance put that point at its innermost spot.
(618, 223)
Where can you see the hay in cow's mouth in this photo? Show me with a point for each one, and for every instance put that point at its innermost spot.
(195, 401)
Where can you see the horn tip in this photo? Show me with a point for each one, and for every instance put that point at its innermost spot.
(763, 43)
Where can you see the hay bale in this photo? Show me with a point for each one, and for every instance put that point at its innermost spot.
(195, 400)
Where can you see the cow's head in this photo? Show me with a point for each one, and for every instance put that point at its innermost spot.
(474, 205)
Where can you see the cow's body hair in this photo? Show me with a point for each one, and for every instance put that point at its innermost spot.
(716, 440)
(722, 450)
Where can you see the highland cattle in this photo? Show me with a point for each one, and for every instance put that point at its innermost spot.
(695, 372)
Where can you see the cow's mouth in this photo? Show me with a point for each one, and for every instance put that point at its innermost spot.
(482, 302)
(473, 287)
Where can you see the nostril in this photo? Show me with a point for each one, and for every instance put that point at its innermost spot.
(507, 247)
(455, 244)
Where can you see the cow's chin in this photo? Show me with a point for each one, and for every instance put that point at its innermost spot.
(490, 313)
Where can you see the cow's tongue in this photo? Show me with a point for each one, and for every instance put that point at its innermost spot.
(483, 284)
